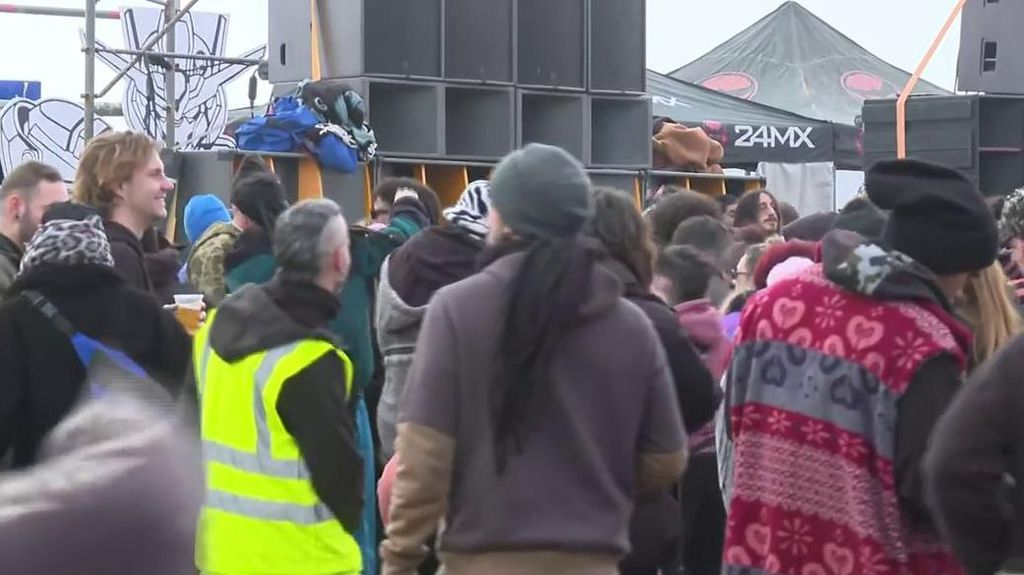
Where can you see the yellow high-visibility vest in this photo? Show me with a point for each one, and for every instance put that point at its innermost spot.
(261, 513)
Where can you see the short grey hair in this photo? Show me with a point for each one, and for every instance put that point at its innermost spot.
(305, 235)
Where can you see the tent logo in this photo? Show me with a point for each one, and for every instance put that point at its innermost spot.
(736, 84)
(867, 86)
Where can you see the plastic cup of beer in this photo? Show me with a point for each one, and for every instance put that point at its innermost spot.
(188, 309)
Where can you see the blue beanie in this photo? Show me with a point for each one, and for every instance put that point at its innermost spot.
(201, 212)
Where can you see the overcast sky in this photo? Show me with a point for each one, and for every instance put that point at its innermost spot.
(678, 31)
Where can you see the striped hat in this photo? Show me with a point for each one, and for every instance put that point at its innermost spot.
(470, 212)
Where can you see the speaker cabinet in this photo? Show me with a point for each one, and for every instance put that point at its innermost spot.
(617, 54)
(982, 136)
(992, 47)
(557, 119)
(478, 41)
(400, 38)
(551, 43)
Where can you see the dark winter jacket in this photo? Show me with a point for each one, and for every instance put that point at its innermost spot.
(976, 446)
(163, 261)
(42, 376)
(117, 490)
(249, 261)
(697, 392)
(10, 261)
(657, 516)
(433, 259)
(837, 380)
(312, 403)
(606, 426)
(129, 256)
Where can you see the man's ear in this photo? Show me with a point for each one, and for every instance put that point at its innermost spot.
(14, 206)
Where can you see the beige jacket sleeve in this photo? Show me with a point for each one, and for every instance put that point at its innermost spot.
(419, 497)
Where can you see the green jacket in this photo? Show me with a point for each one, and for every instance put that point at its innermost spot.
(353, 325)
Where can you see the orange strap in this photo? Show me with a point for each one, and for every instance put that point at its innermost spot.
(901, 103)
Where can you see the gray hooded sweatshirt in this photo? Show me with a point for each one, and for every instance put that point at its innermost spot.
(398, 326)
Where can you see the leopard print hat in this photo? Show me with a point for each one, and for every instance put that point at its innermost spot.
(69, 242)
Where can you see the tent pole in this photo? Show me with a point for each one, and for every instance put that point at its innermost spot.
(901, 103)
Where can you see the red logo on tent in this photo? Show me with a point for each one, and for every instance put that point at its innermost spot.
(735, 84)
(868, 86)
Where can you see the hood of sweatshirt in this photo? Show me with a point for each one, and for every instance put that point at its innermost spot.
(875, 270)
(432, 259)
(702, 321)
(262, 317)
(393, 313)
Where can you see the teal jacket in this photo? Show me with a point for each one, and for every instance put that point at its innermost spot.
(256, 270)
(353, 325)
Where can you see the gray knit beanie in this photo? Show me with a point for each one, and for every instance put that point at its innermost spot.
(542, 191)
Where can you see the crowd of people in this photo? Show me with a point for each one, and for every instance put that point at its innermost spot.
(540, 378)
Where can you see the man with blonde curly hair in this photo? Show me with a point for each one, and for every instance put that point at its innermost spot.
(121, 175)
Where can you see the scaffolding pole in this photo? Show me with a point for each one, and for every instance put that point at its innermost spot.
(146, 47)
(89, 96)
(52, 11)
(170, 17)
(170, 56)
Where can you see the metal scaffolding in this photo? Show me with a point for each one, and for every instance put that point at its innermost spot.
(172, 15)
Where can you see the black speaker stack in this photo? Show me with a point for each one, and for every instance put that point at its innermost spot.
(471, 80)
(980, 133)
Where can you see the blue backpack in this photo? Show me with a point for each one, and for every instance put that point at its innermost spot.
(283, 129)
(107, 369)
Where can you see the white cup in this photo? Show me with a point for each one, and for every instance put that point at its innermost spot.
(190, 301)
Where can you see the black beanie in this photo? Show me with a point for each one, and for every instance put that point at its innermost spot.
(260, 197)
(810, 228)
(863, 217)
(937, 216)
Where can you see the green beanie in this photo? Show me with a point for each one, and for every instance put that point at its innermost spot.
(542, 191)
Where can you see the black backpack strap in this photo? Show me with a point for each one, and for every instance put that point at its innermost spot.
(51, 312)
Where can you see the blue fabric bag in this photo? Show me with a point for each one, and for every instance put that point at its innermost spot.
(283, 129)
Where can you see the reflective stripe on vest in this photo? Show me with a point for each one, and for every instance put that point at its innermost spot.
(261, 513)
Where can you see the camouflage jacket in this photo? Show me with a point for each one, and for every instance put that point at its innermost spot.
(206, 263)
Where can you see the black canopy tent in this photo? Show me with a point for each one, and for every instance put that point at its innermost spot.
(749, 132)
(794, 61)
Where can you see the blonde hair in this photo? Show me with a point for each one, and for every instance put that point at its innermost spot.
(110, 160)
(993, 317)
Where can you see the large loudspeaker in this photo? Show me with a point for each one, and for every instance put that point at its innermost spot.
(617, 54)
(992, 47)
(478, 40)
(360, 38)
(982, 136)
(551, 43)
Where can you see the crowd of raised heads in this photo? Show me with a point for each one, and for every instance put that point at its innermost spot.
(544, 377)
